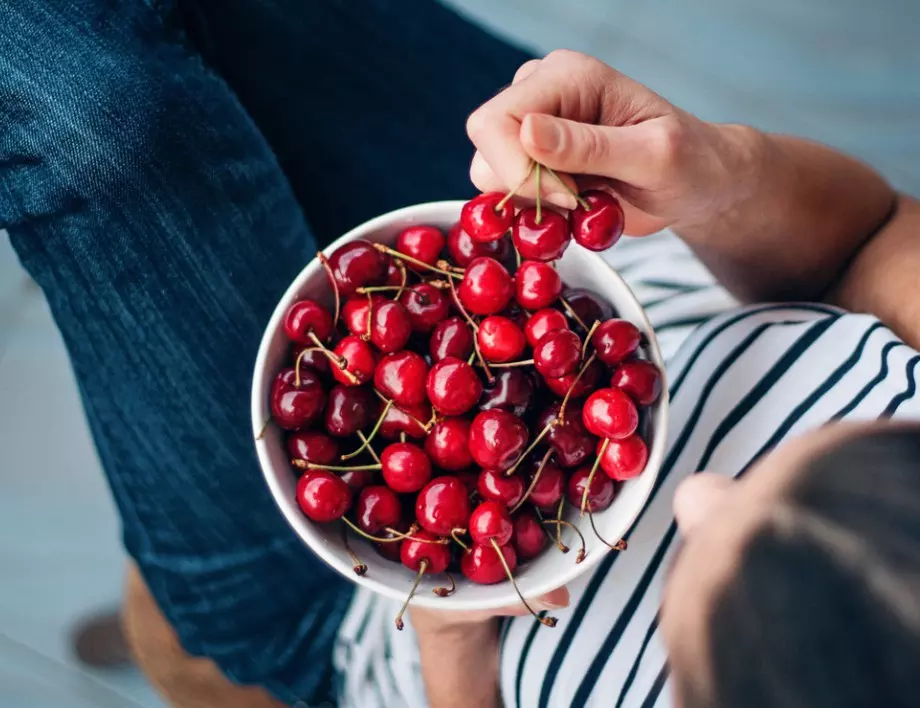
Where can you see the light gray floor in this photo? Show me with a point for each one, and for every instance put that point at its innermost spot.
(834, 70)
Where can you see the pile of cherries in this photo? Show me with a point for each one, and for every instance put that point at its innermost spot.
(459, 395)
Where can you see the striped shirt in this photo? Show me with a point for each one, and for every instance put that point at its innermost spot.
(742, 380)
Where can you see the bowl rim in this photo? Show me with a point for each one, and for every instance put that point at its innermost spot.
(259, 412)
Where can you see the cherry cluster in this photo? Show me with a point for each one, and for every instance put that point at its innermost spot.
(459, 395)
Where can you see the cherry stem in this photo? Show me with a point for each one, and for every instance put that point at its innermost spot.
(517, 255)
(546, 621)
(404, 277)
(397, 535)
(509, 364)
(402, 436)
(368, 289)
(447, 265)
(366, 440)
(560, 417)
(265, 427)
(559, 522)
(321, 257)
(472, 323)
(536, 441)
(446, 592)
(304, 465)
(533, 481)
(370, 450)
(584, 349)
(572, 313)
(359, 567)
(414, 261)
(581, 551)
(300, 359)
(539, 218)
(563, 548)
(620, 545)
(454, 533)
(578, 198)
(423, 426)
(597, 462)
(422, 567)
(509, 195)
(339, 361)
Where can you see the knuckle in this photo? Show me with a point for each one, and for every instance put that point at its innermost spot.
(476, 123)
(667, 142)
(525, 69)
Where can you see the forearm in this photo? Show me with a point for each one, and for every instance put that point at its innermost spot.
(796, 215)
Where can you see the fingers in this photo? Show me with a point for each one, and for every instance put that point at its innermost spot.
(555, 600)
(697, 498)
(525, 70)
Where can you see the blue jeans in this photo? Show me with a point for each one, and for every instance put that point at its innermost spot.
(165, 170)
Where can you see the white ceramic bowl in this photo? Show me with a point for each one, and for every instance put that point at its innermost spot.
(579, 268)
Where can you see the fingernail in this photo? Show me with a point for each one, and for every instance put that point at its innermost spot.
(545, 133)
(562, 200)
(547, 605)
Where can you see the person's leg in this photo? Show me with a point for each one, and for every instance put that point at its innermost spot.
(141, 197)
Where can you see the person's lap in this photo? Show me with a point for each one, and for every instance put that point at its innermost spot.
(147, 198)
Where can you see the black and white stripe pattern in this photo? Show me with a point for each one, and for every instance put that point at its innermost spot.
(740, 384)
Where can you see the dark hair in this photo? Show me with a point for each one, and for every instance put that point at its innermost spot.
(824, 609)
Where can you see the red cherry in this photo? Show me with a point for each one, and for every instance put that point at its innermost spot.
(376, 507)
(349, 410)
(500, 340)
(354, 312)
(557, 353)
(322, 496)
(469, 478)
(482, 565)
(406, 467)
(357, 264)
(589, 306)
(549, 488)
(446, 444)
(294, 407)
(453, 386)
(307, 316)
(516, 314)
(401, 376)
(391, 551)
(452, 337)
(486, 287)
(536, 285)
(359, 361)
(615, 340)
(541, 322)
(357, 479)
(406, 419)
(528, 538)
(571, 442)
(423, 243)
(640, 379)
(394, 277)
(484, 220)
(600, 493)
(624, 459)
(610, 413)
(443, 505)
(490, 520)
(312, 359)
(390, 326)
(585, 385)
(426, 306)
(497, 438)
(495, 485)
(543, 241)
(313, 446)
(413, 552)
(463, 249)
(512, 390)
(599, 227)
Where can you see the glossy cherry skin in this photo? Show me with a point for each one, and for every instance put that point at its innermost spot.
(412, 553)
(423, 243)
(572, 444)
(610, 413)
(585, 385)
(536, 285)
(490, 520)
(557, 353)
(486, 287)
(401, 376)
(528, 537)
(640, 379)
(357, 479)
(500, 340)
(447, 444)
(600, 493)
(313, 446)
(294, 407)
(600, 226)
(512, 390)
(391, 551)
(426, 306)
(463, 249)
(306, 316)
(549, 487)
(624, 459)
(357, 264)
(453, 386)
(322, 496)
(406, 467)
(452, 337)
(394, 277)
(497, 438)
(443, 505)
(355, 313)
(377, 506)
(390, 327)
(359, 361)
(543, 321)
(349, 410)
(494, 485)
(482, 565)
(615, 340)
(588, 305)
(406, 419)
(482, 218)
(544, 241)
